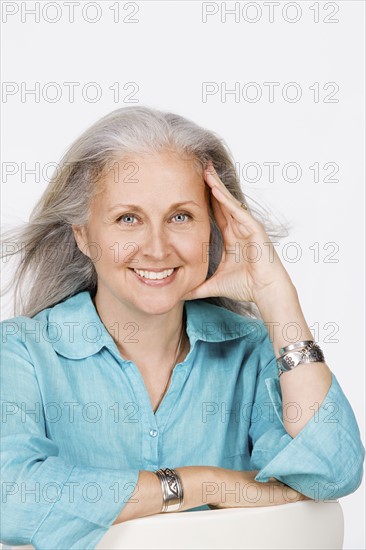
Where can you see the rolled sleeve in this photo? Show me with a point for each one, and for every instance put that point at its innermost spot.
(45, 501)
(325, 459)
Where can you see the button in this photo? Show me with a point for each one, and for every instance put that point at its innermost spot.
(153, 433)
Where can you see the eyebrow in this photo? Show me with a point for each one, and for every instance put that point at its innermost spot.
(139, 209)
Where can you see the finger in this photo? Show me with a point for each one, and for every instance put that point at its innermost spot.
(220, 192)
(221, 216)
(205, 290)
(233, 207)
(214, 181)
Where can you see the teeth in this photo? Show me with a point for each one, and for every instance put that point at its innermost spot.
(153, 275)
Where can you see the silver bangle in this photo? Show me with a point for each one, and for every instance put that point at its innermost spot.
(297, 345)
(172, 489)
(290, 360)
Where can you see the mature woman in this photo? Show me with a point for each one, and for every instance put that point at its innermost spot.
(160, 360)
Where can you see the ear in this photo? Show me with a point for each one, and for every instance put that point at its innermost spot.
(81, 238)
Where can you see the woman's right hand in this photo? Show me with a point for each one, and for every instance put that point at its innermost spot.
(238, 489)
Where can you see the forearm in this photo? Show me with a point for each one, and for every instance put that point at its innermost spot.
(305, 387)
(238, 489)
(147, 498)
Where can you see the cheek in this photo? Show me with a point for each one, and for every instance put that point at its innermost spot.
(112, 252)
(195, 249)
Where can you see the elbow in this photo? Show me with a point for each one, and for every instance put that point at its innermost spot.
(352, 480)
(353, 476)
(344, 469)
(13, 532)
(16, 524)
(329, 490)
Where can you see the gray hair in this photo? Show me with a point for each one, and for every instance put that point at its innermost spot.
(74, 184)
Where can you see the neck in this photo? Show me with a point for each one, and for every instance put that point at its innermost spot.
(147, 340)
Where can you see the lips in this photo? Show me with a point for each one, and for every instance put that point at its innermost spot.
(153, 269)
(156, 282)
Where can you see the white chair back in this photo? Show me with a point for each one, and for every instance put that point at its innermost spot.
(304, 525)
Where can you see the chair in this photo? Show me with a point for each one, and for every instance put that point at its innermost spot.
(303, 525)
(300, 525)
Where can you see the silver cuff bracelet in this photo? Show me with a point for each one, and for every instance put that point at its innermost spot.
(296, 346)
(172, 489)
(291, 359)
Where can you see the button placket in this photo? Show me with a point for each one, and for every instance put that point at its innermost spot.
(153, 424)
(149, 444)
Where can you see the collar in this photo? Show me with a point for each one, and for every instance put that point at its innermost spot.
(76, 330)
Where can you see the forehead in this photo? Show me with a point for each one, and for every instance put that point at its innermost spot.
(165, 172)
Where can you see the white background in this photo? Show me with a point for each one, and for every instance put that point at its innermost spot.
(168, 53)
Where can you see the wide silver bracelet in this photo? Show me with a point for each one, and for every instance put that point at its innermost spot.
(291, 359)
(296, 345)
(172, 489)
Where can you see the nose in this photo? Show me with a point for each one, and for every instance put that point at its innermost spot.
(157, 245)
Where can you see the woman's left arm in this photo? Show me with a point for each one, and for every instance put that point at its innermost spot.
(323, 442)
(250, 270)
(306, 385)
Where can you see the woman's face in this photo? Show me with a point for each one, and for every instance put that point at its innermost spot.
(135, 223)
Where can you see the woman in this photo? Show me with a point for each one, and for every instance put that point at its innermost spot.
(139, 376)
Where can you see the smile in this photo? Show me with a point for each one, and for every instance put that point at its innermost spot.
(154, 274)
(151, 278)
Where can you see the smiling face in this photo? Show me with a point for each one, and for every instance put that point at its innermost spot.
(152, 214)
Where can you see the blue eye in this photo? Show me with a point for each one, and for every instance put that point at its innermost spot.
(124, 215)
(133, 216)
(182, 214)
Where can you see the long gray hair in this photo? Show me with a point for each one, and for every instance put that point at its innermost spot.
(51, 267)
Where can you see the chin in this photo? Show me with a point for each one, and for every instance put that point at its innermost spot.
(157, 306)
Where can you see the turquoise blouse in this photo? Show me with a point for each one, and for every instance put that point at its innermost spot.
(78, 425)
